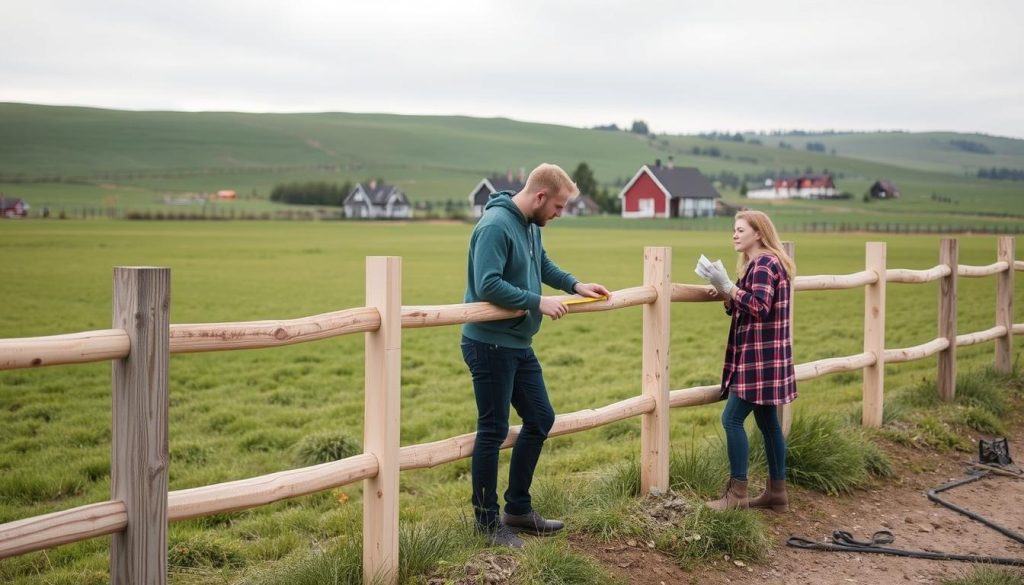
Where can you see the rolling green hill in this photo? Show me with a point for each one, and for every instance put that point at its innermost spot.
(82, 157)
(926, 151)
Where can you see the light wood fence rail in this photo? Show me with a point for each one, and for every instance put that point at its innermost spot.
(141, 340)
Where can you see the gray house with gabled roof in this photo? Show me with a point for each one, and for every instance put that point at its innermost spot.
(479, 195)
(375, 200)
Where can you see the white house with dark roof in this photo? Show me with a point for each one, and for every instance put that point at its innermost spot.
(668, 191)
(13, 206)
(375, 200)
(796, 187)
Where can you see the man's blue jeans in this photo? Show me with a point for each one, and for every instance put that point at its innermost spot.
(503, 377)
(766, 416)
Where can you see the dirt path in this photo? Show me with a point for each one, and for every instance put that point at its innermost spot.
(899, 505)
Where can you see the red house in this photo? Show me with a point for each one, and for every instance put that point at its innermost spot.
(13, 207)
(657, 191)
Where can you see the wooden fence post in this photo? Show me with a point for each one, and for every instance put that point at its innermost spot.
(139, 454)
(657, 318)
(949, 255)
(874, 335)
(1004, 305)
(381, 419)
(786, 412)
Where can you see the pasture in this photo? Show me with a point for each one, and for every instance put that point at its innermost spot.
(87, 161)
(236, 415)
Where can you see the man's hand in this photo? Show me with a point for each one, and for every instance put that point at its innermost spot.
(552, 307)
(720, 280)
(592, 290)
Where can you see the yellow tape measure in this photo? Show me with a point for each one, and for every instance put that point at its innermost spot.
(582, 300)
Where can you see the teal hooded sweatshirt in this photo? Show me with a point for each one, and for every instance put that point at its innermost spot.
(507, 264)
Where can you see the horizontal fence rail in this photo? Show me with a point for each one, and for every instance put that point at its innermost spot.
(114, 517)
(917, 276)
(71, 348)
(979, 271)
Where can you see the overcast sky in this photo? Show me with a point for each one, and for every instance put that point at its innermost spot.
(683, 66)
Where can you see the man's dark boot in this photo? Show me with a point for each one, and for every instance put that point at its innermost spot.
(774, 497)
(531, 523)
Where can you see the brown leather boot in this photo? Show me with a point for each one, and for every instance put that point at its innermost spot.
(774, 497)
(735, 496)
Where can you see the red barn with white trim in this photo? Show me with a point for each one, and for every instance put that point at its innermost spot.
(657, 191)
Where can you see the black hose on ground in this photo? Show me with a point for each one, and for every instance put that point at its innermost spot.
(842, 541)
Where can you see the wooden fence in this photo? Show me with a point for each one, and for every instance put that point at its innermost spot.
(141, 340)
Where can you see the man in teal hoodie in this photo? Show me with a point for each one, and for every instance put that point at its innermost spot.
(507, 264)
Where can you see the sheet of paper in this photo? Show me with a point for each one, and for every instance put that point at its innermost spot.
(703, 268)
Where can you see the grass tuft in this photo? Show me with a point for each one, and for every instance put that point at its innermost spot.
(705, 534)
(551, 561)
(982, 421)
(826, 456)
(341, 564)
(425, 545)
(202, 549)
(988, 576)
(323, 448)
(699, 470)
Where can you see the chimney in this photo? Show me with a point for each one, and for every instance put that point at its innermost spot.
(508, 174)
(671, 162)
(373, 184)
(522, 175)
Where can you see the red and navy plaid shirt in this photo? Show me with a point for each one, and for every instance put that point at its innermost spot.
(759, 355)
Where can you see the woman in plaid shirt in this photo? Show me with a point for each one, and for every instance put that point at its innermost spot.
(758, 372)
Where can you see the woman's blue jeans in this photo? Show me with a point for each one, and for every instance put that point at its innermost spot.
(767, 419)
(503, 377)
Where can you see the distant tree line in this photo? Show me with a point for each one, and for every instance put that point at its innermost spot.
(638, 127)
(712, 151)
(312, 193)
(971, 146)
(1001, 174)
(727, 136)
(586, 182)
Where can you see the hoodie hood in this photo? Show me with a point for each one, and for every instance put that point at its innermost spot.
(504, 199)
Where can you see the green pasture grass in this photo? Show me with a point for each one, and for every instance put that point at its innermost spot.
(983, 403)
(240, 414)
(987, 576)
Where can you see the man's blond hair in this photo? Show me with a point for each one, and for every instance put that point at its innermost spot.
(551, 179)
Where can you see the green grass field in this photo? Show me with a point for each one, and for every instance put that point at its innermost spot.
(240, 414)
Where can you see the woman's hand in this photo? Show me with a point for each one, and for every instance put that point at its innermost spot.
(721, 281)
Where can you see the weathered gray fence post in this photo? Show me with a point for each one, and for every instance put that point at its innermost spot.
(656, 329)
(949, 255)
(139, 458)
(1004, 305)
(874, 335)
(382, 419)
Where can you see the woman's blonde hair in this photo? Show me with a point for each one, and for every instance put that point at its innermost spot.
(762, 224)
